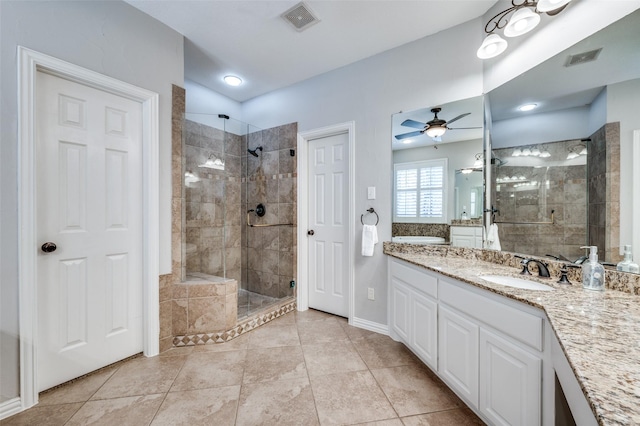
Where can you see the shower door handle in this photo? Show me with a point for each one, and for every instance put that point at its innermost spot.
(310, 232)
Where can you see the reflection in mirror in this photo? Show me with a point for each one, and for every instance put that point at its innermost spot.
(571, 153)
(430, 189)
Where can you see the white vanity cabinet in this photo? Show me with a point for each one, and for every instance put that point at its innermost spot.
(414, 309)
(487, 348)
(465, 236)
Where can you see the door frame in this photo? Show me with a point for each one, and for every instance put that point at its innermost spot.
(303, 211)
(29, 64)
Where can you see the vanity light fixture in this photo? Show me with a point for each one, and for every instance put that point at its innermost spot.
(527, 107)
(576, 151)
(516, 152)
(190, 177)
(213, 162)
(479, 160)
(544, 153)
(522, 17)
(526, 152)
(535, 151)
(572, 155)
(466, 171)
(232, 80)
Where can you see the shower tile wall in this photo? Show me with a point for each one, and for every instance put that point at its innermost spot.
(560, 187)
(269, 253)
(212, 203)
(604, 191)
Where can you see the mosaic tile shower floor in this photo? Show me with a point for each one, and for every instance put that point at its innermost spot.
(306, 368)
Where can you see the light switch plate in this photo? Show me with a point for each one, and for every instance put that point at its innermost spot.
(371, 294)
(371, 193)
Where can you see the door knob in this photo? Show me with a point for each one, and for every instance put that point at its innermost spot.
(310, 232)
(49, 247)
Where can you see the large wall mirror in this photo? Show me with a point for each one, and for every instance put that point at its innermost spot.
(564, 177)
(437, 176)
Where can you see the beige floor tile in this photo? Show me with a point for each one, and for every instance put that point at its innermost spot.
(210, 369)
(390, 422)
(180, 351)
(239, 343)
(312, 315)
(78, 391)
(286, 319)
(274, 364)
(285, 402)
(54, 415)
(131, 410)
(412, 390)
(215, 406)
(142, 376)
(357, 332)
(313, 332)
(273, 336)
(332, 358)
(456, 417)
(350, 398)
(382, 351)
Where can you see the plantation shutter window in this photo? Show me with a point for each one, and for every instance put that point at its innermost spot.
(419, 194)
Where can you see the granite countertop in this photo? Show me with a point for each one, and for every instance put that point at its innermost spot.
(598, 331)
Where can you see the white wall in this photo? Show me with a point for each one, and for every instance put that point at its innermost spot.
(598, 112)
(566, 124)
(623, 105)
(460, 155)
(109, 37)
(203, 105)
(369, 92)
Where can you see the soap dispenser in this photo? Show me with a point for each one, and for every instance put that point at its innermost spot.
(592, 271)
(627, 264)
(464, 215)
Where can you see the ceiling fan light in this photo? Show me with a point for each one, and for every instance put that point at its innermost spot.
(435, 131)
(551, 5)
(492, 46)
(522, 21)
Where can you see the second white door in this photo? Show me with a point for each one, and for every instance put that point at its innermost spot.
(89, 203)
(329, 249)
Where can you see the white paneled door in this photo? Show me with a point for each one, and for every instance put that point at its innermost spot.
(329, 253)
(89, 205)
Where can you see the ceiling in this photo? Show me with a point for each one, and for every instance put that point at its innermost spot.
(250, 39)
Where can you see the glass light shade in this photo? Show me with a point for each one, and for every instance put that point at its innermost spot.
(572, 155)
(551, 5)
(526, 152)
(435, 131)
(213, 163)
(478, 163)
(517, 152)
(491, 47)
(535, 151)
(522, 21)
(232, 80)
(584, 151)
(545, 154)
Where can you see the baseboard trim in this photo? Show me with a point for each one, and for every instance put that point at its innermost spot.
(10, 407)
(370, 325)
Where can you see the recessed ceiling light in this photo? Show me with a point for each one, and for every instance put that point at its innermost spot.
(527, 107)
(232, 80)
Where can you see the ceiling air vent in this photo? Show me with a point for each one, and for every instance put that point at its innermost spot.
(582, 58)
(300, 16)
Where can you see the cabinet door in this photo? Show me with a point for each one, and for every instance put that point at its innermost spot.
(400, 314)
(463, 241)
(510, 380)
(424, 336)
(458, 350)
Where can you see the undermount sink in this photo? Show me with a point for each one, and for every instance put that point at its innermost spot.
(516, 282)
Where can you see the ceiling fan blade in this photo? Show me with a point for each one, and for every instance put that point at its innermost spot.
(413, 123)
(408, 135)
(463, 128)
(458, 117)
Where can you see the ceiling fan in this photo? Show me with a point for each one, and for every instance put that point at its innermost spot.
(434, 128)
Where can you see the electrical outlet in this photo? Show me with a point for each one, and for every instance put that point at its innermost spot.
(371, 294)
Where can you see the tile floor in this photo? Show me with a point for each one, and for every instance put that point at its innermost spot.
(305, 368)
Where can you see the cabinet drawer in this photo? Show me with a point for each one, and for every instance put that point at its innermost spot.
(522, 326)
(466, 231)
(416, 277)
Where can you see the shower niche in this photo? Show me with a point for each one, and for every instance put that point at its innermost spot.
(238, 221)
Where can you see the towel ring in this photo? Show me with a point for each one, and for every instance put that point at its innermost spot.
(370, 210)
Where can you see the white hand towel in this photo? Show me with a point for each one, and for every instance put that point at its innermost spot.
(493, 240)
(369, 239)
